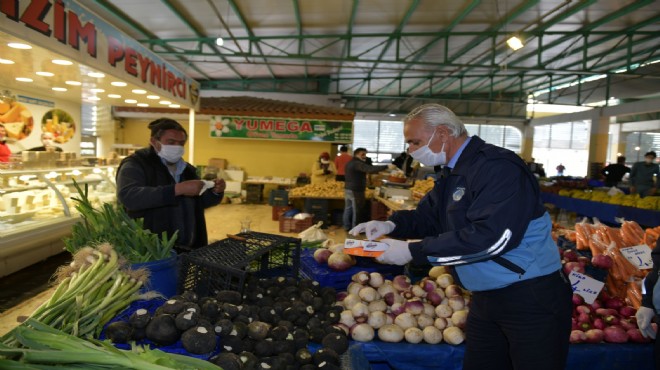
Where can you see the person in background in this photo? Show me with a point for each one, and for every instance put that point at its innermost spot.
(650, 308)
(406, 163)
(614, 172)
(340, 162)
(323, 170)
(156, 184)
(560, 169)
(47, 139)
(643, 176)
(5, 152)
(355, 187)
(485, 218)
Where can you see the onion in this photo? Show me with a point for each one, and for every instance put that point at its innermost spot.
(444, 280)
(614, 302)
(573, 266)
(627, 311)
(360, 312)
(413, 335)
(615, 334)
(453, 335)
(435, 297)
(453, 291)
(340, 261)
(376, 279)
(578, 336)
(583, 309)
(459, 318)
(594, 336)
(354, 288)
(390, 333)
(362, 333)
(443, 310)
(414, 307)
(437, 271)
(440, 323)
(368, 294)
(377, 319)
(321, 256)
(378, 305)
(405, 321)
(432, 335)
(635, 336)
(424, 320)
(570, 255)
(401, 283)
(457, 303)
(577, 299)
(361, 277)
(351, 300)
(346, 318)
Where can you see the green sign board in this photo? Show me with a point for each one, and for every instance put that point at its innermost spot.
(281, 129)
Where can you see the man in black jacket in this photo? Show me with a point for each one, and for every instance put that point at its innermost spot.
(650, 308)
(156, 184)
(355, 186)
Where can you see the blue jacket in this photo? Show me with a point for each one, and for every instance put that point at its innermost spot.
(486, 219)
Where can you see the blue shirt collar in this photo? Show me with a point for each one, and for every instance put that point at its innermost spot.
(180, 166)
(454, 159)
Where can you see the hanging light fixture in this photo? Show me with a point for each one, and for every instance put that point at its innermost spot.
(219, 41)
(514, 43)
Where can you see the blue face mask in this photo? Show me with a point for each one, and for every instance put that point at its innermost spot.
(427, 157)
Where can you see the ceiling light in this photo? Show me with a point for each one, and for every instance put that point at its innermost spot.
(18, 45)
(94, 98)
(130, 101)
(6, 61)
(219, 41)
(153, 97)
(165, 102)
(143, 105)
(62, 62)
(96, 74)
(514, 43)
(97, 90)
(23, 79)
(73, 83)
(114, 96)
(139, 91)
(118, 83)
(175, 106)
(59, 89)
(392, 114)
(45, 74)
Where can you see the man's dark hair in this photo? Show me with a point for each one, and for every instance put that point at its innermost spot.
(159, 126)
(359, 150)
(343, 148)
(621, 159)
(650, 154)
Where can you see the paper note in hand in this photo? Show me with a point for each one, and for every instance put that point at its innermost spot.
(207, 185)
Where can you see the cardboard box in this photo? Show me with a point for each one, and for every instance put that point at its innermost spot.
(218, 163)
(233, 187)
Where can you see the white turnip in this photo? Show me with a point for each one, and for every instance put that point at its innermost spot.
(444, 280)
(377, 319)
(413, 335)
(457, 303)
(321, 256)
(378, 305)
(361, 277)
(401, 283)
(368, 294)
(362, 333)
(428, 285)
(387, 287)
(429, 310)
(376, 279)
(432, 335)
(354, 288)
(360, 312)
(453, 291)
(436, 271)
(440, 323)
(340, 261)
(390, 333)
(405, 321)
(418, 291)
(435, 297)
(443, 310)
(414, 306)
(424, 320)
(453, 335)
(459, 318)
(346, 318)
(351, 300)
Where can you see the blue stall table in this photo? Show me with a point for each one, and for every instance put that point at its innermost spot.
(603, 211)
(384, 356)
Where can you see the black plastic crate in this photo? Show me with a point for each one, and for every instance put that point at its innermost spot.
(226, 264)
(278, 197)
(316, 206)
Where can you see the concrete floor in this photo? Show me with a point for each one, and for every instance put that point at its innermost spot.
(30, 287)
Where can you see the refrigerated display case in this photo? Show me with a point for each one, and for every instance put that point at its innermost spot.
(37, 210)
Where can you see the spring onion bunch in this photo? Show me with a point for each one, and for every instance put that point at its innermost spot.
(91, 291)
(39, 346)
(111, 224)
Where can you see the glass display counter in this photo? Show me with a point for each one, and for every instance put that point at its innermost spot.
(37, 210)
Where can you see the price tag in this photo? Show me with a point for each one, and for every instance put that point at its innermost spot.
(639, 256)
(585, 286)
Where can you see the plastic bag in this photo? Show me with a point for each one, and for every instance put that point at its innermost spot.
(614, 191)
(313, 233)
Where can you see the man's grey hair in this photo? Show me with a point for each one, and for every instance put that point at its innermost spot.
(434, 115)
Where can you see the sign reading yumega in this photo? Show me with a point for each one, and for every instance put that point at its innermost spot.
(67, 28)
(281, 129)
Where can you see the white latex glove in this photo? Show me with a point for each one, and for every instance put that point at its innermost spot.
(644, 316)
(397, 254)
(373, 229)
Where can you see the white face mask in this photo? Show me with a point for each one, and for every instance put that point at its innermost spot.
(325, 161)
(427, 157)
(47, 142)
(171, 153)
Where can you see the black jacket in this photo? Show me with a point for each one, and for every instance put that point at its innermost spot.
(146, 189)
(356, 174)
(652, 278)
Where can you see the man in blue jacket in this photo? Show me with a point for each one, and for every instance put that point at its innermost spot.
(485, 218)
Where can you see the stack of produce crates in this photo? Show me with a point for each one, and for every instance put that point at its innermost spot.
(319, 209)
(225, 264)
(254, 193)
